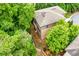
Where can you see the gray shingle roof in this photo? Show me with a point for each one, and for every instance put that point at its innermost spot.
(73, 48)
(47, 16)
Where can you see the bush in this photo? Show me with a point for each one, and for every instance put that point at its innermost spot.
(60, 36)
(18, 45)
(15, 21)
(16, 16)
(74, 31)
(57, 38)
(69, 7)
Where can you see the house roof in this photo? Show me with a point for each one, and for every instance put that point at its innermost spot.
(74, 45)
(46, 17)
(75, 18)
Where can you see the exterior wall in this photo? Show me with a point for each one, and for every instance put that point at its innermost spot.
(37, 28)
(45, 29)
(44, 32)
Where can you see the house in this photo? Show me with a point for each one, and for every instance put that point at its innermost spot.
(46, 18)
(73, 48)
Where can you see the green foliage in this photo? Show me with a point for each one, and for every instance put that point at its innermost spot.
(62, 22)
(60, 36)
(57, 38)
(43, 5)
(16, 16)
(67, 15)
(15, 19)
(18, 45)
(24, 44)
(4, 43)
(69, 7)
(74, 31)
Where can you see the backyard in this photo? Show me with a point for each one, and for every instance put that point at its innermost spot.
(23, 31)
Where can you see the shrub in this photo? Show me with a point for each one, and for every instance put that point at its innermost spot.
(57, 38)
(24, 44)
(16, 16)
(60, 36)
(18, 45)
(74, 31)
(15, 19)
(69, 7)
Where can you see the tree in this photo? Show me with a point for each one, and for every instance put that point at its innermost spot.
(60, 36)
(15, 20)
(16, 16)
(20, 44)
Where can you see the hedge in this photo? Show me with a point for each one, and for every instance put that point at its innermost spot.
(60, 36)
(69, 7)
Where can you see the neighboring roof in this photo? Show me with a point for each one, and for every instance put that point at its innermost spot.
(75, 18)
(74, 45)
(47, 17)
(54, 8)
(73, 48)
(72, 53)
